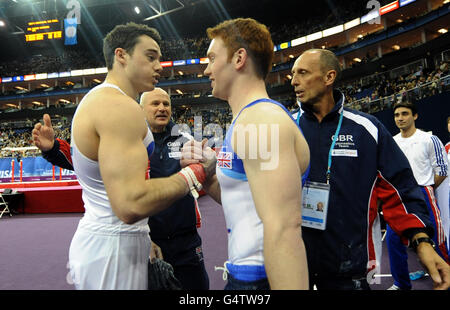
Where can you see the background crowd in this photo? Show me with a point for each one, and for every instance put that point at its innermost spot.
(15, 138)
(371, 93)
(380, 91)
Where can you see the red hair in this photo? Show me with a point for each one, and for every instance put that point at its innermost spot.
(249, 34)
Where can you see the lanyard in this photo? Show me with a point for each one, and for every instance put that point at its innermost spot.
(338, 129)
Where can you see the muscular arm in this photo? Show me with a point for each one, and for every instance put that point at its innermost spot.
(212, 188)
(280, 212)
(123, 159)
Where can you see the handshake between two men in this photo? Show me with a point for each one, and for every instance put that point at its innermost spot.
(198, 163)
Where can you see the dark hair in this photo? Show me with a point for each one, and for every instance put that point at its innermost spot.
(249, 34)
(407, 105)
(126, 36)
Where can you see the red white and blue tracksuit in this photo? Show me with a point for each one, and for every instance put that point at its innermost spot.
(367, 165)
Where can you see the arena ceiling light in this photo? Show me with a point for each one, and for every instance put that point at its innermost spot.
(352, 23)
(101, 70)
(334, 30)
(137, 10)
(298, 41)
(76, 72)
(314, 36)
(160, 10)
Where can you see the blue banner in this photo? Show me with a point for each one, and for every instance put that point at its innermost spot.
(70, 31)
(33, 169)
(5, 168)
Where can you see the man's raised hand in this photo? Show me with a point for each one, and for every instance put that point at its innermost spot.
(44, 135)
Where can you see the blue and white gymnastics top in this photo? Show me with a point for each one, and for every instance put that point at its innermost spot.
(245, 228)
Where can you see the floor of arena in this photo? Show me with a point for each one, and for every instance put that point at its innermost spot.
(35, 247)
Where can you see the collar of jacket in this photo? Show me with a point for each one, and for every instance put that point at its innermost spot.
(339, 99)
(167, 130)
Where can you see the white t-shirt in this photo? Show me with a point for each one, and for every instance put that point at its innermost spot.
(426, 155)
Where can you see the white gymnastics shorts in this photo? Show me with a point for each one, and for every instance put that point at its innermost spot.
(109, 257)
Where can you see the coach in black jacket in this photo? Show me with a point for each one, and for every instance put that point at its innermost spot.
(174, 230)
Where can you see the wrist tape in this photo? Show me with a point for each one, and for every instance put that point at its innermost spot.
(194, 175)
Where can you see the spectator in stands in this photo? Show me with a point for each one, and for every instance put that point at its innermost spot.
(380, 98)
(389, 91)
(444, 67)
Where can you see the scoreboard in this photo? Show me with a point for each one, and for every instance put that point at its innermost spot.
(43, 30)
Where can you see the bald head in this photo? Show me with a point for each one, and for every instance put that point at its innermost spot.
(313, 76)
(157, 92)
(157, 108)
(327, 59)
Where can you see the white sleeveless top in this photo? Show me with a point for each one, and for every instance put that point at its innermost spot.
(96, 202)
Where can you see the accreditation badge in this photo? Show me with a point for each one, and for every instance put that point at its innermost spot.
(315, 205)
